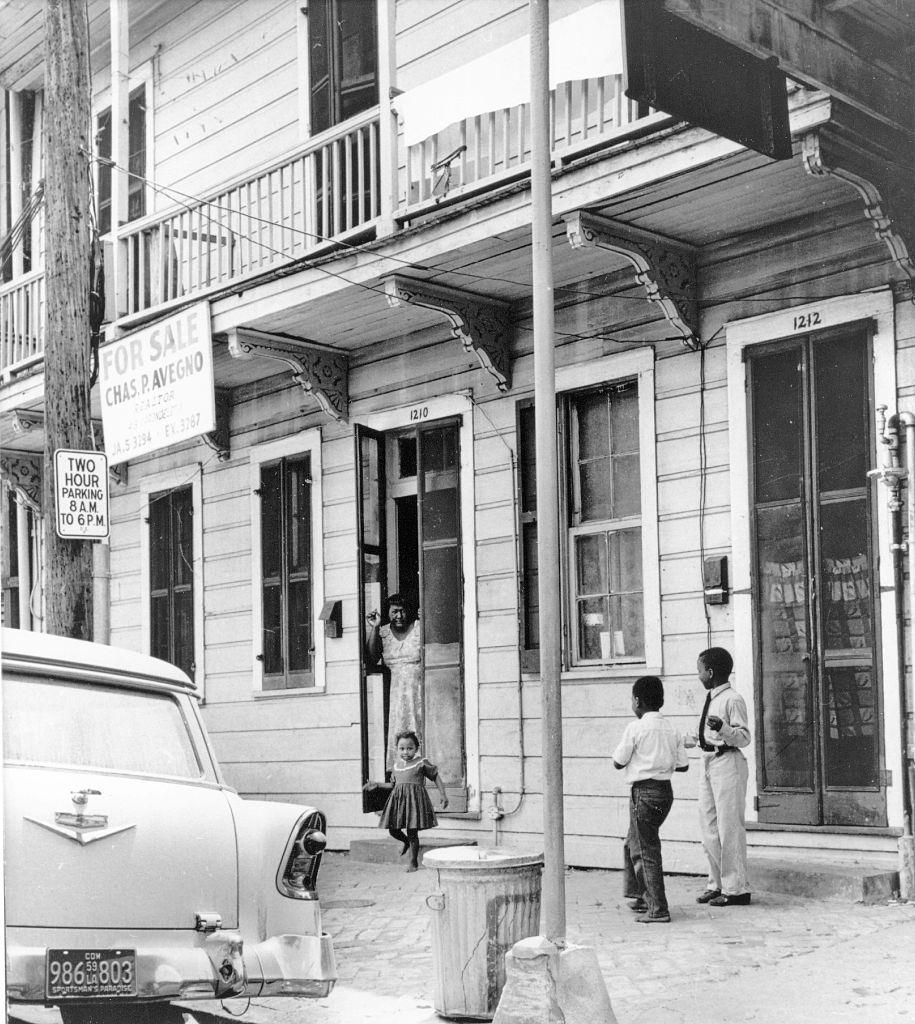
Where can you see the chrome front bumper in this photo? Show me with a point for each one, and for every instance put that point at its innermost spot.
(284, 965)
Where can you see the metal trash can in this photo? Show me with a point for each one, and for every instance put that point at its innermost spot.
(484, 902)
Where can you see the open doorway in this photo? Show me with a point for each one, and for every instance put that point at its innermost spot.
(409, 529)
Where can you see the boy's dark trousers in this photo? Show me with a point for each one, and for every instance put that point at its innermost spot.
(649, 804)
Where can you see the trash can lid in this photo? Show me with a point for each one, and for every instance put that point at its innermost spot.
(475, 858)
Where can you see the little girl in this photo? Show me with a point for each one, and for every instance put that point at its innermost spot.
(408, 807)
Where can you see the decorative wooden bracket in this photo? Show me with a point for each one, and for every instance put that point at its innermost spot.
(24, 421)
(319, 370)
(21, 473)
(218, 439)
(884, 185)
(664, 267)
(482, 325)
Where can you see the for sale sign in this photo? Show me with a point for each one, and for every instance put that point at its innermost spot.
(156, 386)
(81, 494)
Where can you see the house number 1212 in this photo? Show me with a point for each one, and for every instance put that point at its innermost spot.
(805, 320)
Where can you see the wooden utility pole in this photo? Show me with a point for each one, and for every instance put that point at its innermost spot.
(68, 149)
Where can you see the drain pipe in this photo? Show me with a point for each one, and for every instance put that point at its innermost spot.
(892, 474)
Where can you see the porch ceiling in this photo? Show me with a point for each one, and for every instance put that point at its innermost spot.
(705, 206)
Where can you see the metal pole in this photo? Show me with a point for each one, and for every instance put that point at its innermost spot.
(553, 923)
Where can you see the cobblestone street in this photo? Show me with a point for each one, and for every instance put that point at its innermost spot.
(781, 959)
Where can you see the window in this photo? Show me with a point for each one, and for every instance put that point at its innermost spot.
(171, 578)
(342, 60)
(51, 721)
(286, 580)
(612, 604)
(136, 160)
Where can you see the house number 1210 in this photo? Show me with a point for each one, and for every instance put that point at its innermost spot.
(804, 320)
(419, 412)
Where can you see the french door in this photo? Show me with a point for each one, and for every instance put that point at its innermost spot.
(410, 543)
(819, 721)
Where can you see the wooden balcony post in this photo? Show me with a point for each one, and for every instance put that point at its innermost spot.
(120, 148)
(387, 119)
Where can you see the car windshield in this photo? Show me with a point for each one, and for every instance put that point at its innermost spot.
(51, 721)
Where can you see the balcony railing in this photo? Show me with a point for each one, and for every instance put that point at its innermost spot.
(21, 322)
(482, 151)
(326, 192)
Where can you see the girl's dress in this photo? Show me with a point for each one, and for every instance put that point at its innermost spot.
(404, 660)
(409, 805)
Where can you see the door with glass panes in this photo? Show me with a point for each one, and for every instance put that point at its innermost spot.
(410, 540)
(819, 722)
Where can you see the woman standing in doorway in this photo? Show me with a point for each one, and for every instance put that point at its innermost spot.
(398, 645)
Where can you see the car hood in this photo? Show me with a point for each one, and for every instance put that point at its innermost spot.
(141, 853)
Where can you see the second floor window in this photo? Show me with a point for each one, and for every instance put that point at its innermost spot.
(136, 161)
(342, 60)
(602, 527)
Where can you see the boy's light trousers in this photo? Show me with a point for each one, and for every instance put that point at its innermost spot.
(722, 797)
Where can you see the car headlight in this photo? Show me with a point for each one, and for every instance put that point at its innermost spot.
(298, 877)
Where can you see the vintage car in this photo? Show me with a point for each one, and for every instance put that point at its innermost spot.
(134, 875)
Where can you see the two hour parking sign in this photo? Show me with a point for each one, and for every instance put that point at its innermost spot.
(81, 494)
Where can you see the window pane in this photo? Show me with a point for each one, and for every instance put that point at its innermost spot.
(184, 631)
(300, 629)
(777, 425)
(371, 506)
(593, 415)
(158, 627)
(273, 633)
(624, 421)
(441, 596)
(54, 722)
(851, 753)
(136, 159)
(358, 56)
(298, 524)
(159, 512)
(595, 478)
(271, 524)
(439, 448)
(527, 456)
(182, 537)
(787, 739)
(103, 147)
(440, 514)
(629, 627)
(406, 456)
(593, 619)
(531, 585)
(846, 582)
(591, 563)
(626, 561)
(627, 495)
(840, 380)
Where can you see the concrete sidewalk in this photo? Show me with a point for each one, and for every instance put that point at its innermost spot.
(780, 960)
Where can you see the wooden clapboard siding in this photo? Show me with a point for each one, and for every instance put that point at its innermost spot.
(224, 92)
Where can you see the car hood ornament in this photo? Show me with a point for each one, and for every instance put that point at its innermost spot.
(77, 825)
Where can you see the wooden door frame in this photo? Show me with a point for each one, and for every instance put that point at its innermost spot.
(878, 307)
(425, 411)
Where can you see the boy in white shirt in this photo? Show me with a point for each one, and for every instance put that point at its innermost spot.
(651, 751)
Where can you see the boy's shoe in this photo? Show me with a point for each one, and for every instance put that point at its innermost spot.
(653, 919)
(639, 906)
(708, 896)
(740, 900)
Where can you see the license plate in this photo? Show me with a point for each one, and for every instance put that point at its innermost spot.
(82, 973)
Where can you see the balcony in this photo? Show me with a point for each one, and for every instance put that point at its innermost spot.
(327, 192)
